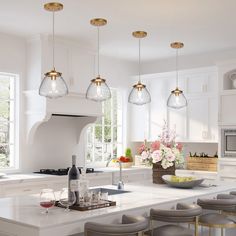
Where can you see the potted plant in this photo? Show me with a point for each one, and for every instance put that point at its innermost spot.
(162, 154)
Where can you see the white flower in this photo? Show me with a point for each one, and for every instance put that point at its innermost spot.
(156, 156)
(145, 155)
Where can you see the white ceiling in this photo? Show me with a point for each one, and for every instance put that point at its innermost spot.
(203, 25)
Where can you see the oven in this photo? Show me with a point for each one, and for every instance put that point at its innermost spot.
(228, 143)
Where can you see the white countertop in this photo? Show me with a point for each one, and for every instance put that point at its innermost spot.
(25, 210)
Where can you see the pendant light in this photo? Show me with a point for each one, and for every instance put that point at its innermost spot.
(139, 95)
(177, 99)
(98, 90)
(53, 85)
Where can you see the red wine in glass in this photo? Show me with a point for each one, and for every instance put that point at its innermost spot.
(46, 204)
(47, 199)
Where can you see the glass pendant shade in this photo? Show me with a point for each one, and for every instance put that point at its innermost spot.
(98, 90)
(139, 95)
(177, 99)
(53, 85)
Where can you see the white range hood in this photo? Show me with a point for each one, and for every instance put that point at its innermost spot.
(40, 109)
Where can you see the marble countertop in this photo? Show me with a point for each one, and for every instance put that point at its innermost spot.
(25, 210)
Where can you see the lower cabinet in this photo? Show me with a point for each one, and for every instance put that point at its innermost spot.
(132, 176)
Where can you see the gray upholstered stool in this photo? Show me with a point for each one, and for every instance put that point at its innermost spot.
(216, 219)
(131, 226)
(184, 213)
(233, 193)
(230, 210)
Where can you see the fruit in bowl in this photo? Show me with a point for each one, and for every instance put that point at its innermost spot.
(124, 159)
(180, 179)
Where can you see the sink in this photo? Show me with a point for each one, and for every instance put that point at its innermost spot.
(110, 191)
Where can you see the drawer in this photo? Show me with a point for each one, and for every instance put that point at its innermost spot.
(23, 189)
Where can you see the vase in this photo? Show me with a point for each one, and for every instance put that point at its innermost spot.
(158, 171)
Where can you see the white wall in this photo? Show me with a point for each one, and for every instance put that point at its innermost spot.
(13, 60)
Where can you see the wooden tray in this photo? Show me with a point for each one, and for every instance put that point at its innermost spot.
(90, 206)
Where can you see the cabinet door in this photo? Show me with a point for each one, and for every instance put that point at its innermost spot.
(197, 83)
(227, 109)
(198, 119)
(139, 123)
(213, 118)
(177, 120)
(158, 108)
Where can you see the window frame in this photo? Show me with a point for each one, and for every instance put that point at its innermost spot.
(15, 162)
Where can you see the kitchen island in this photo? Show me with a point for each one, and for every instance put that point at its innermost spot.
(21, 216)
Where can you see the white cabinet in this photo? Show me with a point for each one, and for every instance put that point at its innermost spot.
(23, 188)
(197, 119)
(98, 179)
(129, 176)
(227, 108)
(198, 122)
(158, 108)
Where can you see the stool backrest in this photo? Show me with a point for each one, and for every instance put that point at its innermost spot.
(184, 213)
(218, 204)
(130, 226)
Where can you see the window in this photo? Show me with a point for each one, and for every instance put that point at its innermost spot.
(8, 121)
(104, 138)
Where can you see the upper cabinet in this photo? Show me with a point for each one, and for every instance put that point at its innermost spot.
(195, 123)
(227, 96)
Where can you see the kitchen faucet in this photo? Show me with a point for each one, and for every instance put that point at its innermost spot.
(120, 184)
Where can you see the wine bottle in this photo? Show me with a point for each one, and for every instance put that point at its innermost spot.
(73, 180)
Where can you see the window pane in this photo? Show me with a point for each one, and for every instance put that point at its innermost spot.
(4, 155)
(90, 153)
(90, 134)
(107, 134)
(107, 112)
(115, 150)
(98, 133)
(107, 151)
(115, 134)
(4, 87)
(98, 152)
(4, 111)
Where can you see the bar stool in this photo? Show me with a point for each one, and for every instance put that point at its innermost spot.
(231, 211)
(216, 219)
(184, 213)
(131, 226)
(233, 193)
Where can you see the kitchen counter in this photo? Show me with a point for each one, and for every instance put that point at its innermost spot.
(31, 177)
(22, 215)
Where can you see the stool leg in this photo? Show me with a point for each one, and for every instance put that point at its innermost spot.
(196, 226)
(209, 231)
(222, 232)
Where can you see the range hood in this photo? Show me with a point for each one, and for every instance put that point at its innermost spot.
(40, 109)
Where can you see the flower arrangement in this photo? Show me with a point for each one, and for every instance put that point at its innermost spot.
(164, 150)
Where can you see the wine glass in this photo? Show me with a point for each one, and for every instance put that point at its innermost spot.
(67, 198)
(47, 199)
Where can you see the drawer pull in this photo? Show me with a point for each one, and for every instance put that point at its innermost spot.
(26, 190)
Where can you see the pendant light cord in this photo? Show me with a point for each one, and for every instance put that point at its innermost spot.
(53, 40)
(176, 68)
(139, 60)
(98, 50)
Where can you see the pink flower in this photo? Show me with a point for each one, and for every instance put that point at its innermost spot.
(156, 156)
(155, 145)
(179, 146)
(141, 149)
